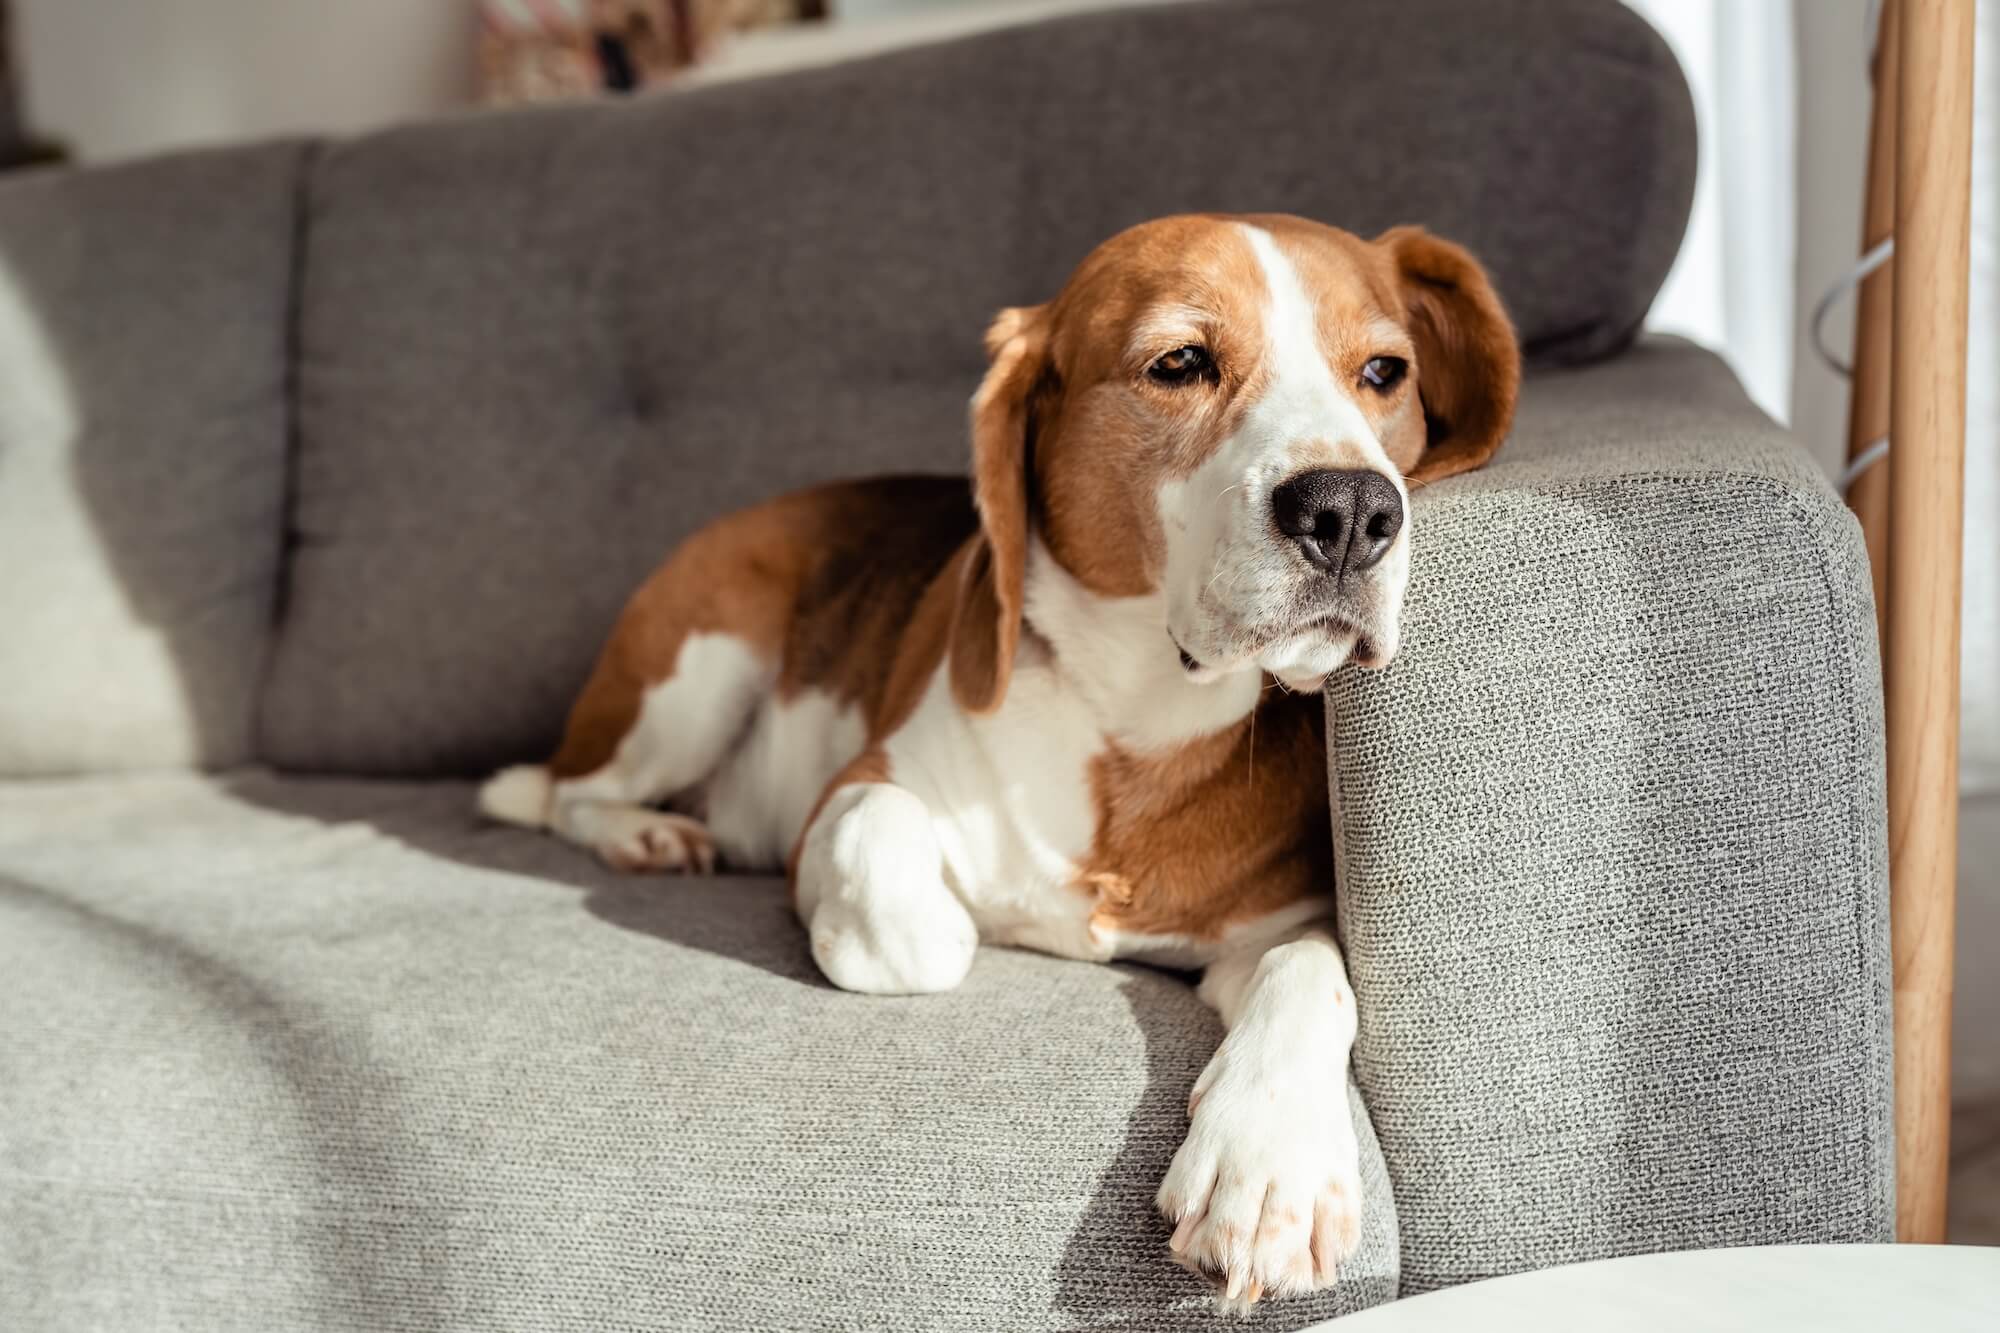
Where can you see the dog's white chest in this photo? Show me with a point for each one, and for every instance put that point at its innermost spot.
(1012, 806)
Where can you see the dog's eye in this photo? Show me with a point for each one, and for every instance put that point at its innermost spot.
(1384, 373)
(1182, 365)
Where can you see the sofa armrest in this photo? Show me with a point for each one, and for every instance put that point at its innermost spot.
(1611, 843)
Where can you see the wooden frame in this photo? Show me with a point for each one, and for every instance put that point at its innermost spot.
(1909, 383)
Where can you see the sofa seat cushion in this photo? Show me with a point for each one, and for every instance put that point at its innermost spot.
(293, 1054)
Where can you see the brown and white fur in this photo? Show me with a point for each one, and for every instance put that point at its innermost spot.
(1042, 713)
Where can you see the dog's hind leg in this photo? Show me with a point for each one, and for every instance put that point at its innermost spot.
(691, 658)
(631, 745)
(679, 731)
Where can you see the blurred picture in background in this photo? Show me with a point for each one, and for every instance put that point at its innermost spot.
(551, 50)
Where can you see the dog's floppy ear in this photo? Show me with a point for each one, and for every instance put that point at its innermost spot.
(986, 619)
(1468, 361)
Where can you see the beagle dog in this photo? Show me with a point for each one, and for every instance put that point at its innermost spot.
(1075, 709)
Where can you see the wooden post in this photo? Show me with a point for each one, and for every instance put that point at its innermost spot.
(1925, 566)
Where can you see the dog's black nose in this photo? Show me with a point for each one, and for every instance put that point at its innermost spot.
(1343, 521)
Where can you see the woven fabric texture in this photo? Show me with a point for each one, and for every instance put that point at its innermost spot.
(1612, 844)
(537, 350)
(332, 1055)
(295, 1055)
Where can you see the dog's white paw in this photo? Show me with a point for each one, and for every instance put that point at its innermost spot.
(1265, 1192)
(637, 840)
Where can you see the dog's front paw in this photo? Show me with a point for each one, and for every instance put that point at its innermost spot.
(881, 918)
(1265, 1192)
(919, 945)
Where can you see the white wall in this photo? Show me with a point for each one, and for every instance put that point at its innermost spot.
(1834, 102)
(1731, 285)
(115, 78)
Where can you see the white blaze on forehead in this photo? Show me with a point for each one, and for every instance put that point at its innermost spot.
(1303, 405)
(1234, 585)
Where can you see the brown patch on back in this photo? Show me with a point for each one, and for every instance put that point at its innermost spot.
(927, 637)
(887, 545)
(823, 581)
(1226, 829)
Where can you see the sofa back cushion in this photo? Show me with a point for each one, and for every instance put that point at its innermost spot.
(142, 457)
(538, 349)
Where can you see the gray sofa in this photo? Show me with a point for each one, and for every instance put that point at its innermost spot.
(324, 466)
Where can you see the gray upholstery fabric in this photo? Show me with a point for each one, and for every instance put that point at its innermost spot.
(296, 1055)
(1612, 848)
(536, 350)
(142, 444)
(288, 1054)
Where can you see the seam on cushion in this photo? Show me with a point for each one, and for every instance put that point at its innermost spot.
(1862, 864)
(300, 221)
(1869, 868)
(1817, 528)
(1811, 483)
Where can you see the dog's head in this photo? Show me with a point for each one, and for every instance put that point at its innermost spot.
(1227, 413)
